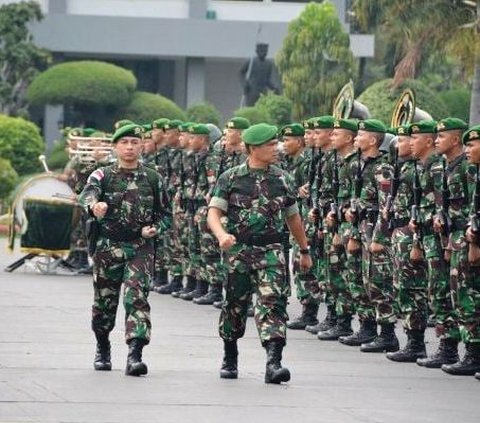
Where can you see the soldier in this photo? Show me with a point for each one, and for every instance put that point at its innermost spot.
(257, 198)
(430, 169)
(464, 276)
(129, 203)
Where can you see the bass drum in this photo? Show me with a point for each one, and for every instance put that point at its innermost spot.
(44, 211)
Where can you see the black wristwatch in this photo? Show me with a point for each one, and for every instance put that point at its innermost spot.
(304, 251)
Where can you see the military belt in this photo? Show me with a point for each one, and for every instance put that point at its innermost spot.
(121, 236)
(258, 240)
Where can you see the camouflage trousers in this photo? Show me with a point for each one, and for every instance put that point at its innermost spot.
(177, 241)
(465, 286)
(130, 264)
(439, 294)
(306, 283)
(258, 270)
(78, 238)
(192, 263)
(409, 281)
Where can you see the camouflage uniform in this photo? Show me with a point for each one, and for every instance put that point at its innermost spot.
(122, 255)
(256, 203)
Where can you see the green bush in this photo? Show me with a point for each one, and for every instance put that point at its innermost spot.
(58, 157)
(8, 178)
(21, 144)
(254, 114)
(86, 83)
(458, 102)
(380, 99)
(146, 107)
(278, 107)
(204, 113)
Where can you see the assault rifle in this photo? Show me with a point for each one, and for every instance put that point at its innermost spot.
(192, 204)
(357, 189)
(312, 174)
(316, 242)
(416, 252)
(334, 208)
(444, 217)
(393, 190)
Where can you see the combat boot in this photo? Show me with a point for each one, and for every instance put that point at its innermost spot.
(218, 304)
(387, 341)
(447, 353)
(175, 285)
(250, 310)
(470, 363)
(307, 318)
(160, 278)
(414, 349)
(329, 322)
(214, 294)
(200, 290)
(342, 328)
(189, 287)
(135, 365)
(477, 376)
(366, 333)
(274, 372)
(229, 368)
(102, 359)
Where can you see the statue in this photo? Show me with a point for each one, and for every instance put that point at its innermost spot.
(258, 75)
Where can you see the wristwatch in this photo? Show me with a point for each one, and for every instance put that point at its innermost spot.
(304, 251)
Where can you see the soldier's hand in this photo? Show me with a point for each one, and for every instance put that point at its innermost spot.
(305, 262)
(331, 219)
(303, 191)
(227, 241)
(149, 231)
(349, 216)
(412, 226)
(437, 225)
(312, 214)
(100, 209)
(376, 248)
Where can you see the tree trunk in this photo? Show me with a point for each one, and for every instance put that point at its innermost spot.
(475, 98)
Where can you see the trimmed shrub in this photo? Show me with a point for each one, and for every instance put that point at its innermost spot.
(380, 99)
(84, 83)
(204, 113)
(254, 114)
(278, 107)
(58, 157)
(458, 102)
(146, 107)
(21, 144)
(8, 178)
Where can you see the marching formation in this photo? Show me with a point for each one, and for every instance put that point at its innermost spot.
(377, 222)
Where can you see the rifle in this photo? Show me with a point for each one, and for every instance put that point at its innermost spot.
(220, 169)
(312, 175)
(444, 217)
(357, 190)
(286, 251)
(182, 181)
(416, 253)
(473, 247)
(316, 242)
(334, 208)
(192, 208)
(393, 190)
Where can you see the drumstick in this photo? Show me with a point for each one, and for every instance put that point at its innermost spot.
(43, 159)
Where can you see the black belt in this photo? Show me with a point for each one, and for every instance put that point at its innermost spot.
(400, 223)
(258, 240)
(121, 236)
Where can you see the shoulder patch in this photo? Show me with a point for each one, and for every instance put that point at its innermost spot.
(97, 174)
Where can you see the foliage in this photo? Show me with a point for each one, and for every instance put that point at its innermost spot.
(458, 102)
(277, 106)
(83, 83)
(58, 157)
(254, 115)
(315, 60)
(20, 59)
(381, 97)
(21, 143)
(8, 178)
(146, 107)
(204, 113)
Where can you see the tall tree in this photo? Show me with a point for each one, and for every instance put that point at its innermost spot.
(475, 101)
(315, 60)
(20, 59)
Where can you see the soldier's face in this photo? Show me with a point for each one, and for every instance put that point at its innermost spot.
(233, 137)
(309, 137)
(266, 153)
(340, 138)
(148, 146)
(473, 152)
(198, 142)
(365, 141)
(292, 145)
(322, 137)
(446, 140)
(419, 143)
(128, 149)
(404, 149)
(158, 136)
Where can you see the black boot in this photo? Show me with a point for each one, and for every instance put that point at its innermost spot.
(387, 341)
(102, 359)
(329, 322)
(414, 349)
(135, 365)
(447, 353)
(274, 372)
(189, 287)
(84, 266)
(174, 285)
(160, 278)
(199, 291)
(250, 310)
(214, 294)
(229, 368)
(342, 328)
(477, 376)
(218, 304)
(307, 318)
(366, 333)
(470, 363)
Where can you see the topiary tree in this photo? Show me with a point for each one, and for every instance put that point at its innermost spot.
(315, 60)
(278, 107)
(458, 102)
(254, 114)
(58, 157)
(381, 97)
(21, 144)
(146, 107)
(8, 178)
(204, 113)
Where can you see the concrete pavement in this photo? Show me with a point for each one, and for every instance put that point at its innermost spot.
(46, 373)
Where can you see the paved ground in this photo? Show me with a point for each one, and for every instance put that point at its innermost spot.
(46, 374)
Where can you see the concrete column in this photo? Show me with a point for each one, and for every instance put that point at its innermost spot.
(195, 80)
(53, 120)
(180, 83)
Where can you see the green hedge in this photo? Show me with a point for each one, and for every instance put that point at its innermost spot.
(87, 83)
(8, 178)
(146, 107)
(380, 99)
(254, 114)
(204, 113)
(58, 157)
(279, 108)
(458, 102)
(21, 144)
